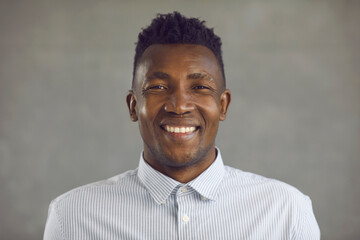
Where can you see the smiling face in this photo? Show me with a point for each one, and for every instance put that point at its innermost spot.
(178, 98)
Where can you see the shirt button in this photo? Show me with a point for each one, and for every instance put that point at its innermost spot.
(203, 198)
(185, 218)
(183, 189)
(163, 202)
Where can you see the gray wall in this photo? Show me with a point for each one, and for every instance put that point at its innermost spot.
(292, 66)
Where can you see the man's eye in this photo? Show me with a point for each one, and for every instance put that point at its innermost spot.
(201, 87)
(157, 87)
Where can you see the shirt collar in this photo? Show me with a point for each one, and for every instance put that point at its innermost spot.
(207, 183)
(160, 186)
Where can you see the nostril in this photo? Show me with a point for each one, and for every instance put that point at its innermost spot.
(179, 107)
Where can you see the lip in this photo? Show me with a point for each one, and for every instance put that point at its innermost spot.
(179, 136)
(180, 122)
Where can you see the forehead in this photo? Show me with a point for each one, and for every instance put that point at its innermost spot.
(178, 59)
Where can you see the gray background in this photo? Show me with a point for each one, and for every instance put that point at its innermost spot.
(292, 66)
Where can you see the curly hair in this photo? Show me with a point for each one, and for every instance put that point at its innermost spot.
(174, 28)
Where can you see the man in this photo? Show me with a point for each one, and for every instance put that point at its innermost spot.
(181, 189)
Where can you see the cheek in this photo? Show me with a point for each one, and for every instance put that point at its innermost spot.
(210, 107)
(144, 108)
(210, 111)
(144, 116)
(143, 112)
(148, 111)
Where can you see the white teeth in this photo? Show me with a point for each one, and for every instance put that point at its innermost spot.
(179, 129)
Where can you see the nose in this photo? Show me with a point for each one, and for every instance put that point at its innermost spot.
(179, 102)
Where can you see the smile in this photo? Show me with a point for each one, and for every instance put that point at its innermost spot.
(179, 129)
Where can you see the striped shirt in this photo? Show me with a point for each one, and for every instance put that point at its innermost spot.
(221, 203)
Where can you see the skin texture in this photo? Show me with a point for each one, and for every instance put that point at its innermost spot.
(178, 85)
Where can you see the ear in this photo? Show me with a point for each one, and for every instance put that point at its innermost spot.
(225, 100)
(131, 103)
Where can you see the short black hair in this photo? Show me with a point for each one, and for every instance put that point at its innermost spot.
(174, 28)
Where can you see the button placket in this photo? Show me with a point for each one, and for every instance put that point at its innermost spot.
(183, 200)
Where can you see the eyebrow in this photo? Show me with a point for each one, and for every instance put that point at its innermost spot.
(196, 76)
(158, 75)
(192, 76)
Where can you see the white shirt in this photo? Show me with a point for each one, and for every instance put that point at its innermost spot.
(221, 203)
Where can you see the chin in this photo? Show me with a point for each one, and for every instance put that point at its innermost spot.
(178, 160)
(185, 158)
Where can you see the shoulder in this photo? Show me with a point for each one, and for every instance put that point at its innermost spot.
(259, 186)
(71, 209)
(274, 198)
(119, 183)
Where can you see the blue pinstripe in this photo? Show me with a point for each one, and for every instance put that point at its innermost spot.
(221, 203)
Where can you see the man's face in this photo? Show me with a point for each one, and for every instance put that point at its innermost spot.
(178, 99)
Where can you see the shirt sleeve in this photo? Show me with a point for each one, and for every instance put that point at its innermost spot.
(307, 226)
(53, 228)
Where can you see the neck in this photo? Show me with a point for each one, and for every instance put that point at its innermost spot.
(184, 175)
(182, 172)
